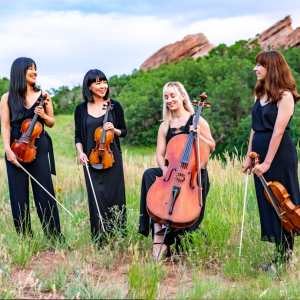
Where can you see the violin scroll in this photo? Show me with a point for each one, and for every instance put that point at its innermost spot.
(44, 100)
(255, 156)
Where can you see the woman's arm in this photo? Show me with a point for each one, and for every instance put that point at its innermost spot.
(161, 148)
(248, 162)
(5, 129)
(205, 133)
(78, 141)
(285, 111)
(82, 155)
(46, 114)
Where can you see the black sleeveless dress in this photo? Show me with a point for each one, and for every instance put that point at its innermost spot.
(149, 178)
(18, 182)
(109, 186)
(284, 169)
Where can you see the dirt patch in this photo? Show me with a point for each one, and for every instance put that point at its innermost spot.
(27, 282)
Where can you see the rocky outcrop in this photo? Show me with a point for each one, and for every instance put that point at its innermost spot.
(191, 46)
(279, 35)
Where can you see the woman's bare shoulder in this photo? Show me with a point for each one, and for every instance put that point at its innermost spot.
(4, 98)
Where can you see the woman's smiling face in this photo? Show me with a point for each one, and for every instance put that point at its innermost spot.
(261, 72)
(173, 98)
(31, 74)
(99, 88)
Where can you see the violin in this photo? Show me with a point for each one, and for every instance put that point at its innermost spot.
(24, 148)
(175, 199)
(102, 157)
(277, 195)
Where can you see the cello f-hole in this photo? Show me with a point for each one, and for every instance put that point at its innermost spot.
(170, 175)
(192, 187)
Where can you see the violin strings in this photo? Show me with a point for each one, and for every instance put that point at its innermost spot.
(272, 198)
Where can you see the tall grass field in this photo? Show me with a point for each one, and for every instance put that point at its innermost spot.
(207, 267)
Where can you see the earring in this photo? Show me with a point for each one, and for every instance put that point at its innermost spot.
(183, 103)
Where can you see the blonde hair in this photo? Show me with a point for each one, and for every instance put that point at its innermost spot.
(167, 113)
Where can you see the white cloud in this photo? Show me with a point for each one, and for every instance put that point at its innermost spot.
(65, 45)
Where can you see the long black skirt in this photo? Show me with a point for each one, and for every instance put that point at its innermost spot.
(146, 222)
(284, 169)
(109, 186)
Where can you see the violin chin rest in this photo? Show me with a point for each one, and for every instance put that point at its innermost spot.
(97, 166)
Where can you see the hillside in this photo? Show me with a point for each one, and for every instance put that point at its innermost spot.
(226, 75)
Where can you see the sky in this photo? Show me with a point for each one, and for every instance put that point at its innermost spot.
(66, 38)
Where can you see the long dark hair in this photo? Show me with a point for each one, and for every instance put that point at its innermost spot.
(90, 77)
(279, 77)
(18, 87)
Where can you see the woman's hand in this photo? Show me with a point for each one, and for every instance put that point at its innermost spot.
(192, 128)
(83, 156)
(261, 169)
(247, 165)
(108, 126)
(39, 110)
(164, 169)
(11, 156)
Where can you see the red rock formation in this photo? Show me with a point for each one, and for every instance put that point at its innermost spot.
(191, 46)
(292, 40)
(279, 35)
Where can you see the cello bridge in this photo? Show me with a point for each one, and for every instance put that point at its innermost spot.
(180, 176)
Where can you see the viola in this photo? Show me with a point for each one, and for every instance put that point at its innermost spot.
(277, 195)
(24, 148)
(102, 157)
(175, 199)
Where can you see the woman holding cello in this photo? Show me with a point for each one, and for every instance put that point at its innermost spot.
(178, 116)
(19, 106)
(99, 122)
(270, 138)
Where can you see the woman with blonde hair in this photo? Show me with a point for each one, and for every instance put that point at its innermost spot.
(275, 98)
(178, 115)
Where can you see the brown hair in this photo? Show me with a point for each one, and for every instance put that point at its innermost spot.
(279, 77)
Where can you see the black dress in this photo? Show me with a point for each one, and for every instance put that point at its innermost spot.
(18, 182)
(108, 184)
(149, 178)
(284, 169)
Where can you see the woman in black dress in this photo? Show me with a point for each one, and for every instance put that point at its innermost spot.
(108, 183)
(16, 106)
(178, 114)
(276, 95)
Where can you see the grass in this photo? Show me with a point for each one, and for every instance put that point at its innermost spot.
(208, 268)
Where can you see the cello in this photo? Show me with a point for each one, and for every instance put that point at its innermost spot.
(277, 195)
(175, 199)
(102, 157)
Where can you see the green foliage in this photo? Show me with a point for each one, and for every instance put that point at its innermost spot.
(143, 277)
(65, 100)
(225, 75)
(4, 84)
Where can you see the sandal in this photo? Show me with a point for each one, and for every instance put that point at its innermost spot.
(163, 254)
(162, 231)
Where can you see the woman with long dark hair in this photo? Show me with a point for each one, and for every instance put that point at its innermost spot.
(19, 104)
(109, 184)
(275, 98)
(178, 116)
